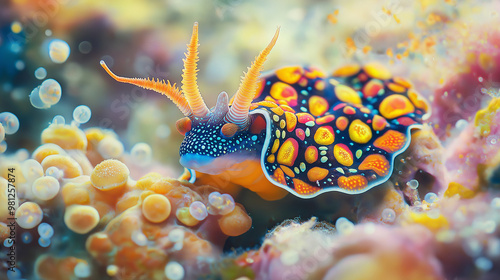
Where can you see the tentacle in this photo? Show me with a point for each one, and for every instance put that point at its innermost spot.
(167, 89)
(221, 108)
(238, 114)
(189, 83)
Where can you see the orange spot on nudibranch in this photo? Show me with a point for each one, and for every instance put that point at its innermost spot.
(343, 154)
(324, 135)
(318, 105)
(348, 110)
(271, 159)
(390, 141)
(342, 123)
(287, 171)
(304, 117)
(288, 152)
(395, 106)
(325, 119)
(379, 123)
(279, 176)
(303, 188)
(278, 111)
(396, 88)
(291, 121)
(267, 103)
(317, 174)
(347, 94)
(352, 183)
(347, 70)
(372, 88)
(311, 154)
(290, 74)
(282, 91)
(287, 108)
(319, 85)
(419, 102)
(402, 82)
(377, 163)
(360, 132)
(300, 134)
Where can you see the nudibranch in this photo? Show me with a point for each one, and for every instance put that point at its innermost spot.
(295, 128)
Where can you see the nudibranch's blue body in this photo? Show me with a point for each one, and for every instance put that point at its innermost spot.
(310, 132)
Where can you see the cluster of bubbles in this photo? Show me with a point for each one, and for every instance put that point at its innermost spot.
(9, 124)
(139, 238)
(413, 184)
(176, 236)
(46, 95)
(218, 204)
(59, 51)
(344, 226)
(46, 232)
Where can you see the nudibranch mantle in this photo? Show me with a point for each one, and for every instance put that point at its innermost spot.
(311, 133)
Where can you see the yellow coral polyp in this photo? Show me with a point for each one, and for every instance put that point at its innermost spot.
(68, 137)
(69, 166)
(433, 224)
(156, 208)
(458, 189)
(109, 174)
(81, 218)
(46, 150)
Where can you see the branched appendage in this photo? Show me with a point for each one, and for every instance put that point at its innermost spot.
(160, 86)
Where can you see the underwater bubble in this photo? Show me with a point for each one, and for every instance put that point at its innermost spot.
(176, 235)
(48, 32)
(472, 247)
(112, 270)
(85, 47)
(27, 237)
(494, 247)
(413, 184)
(139, 238)
(3, 147)
(36, 101)
(40, 73)
(433, 213)
(495, 203)
(16, 27)
(142, 154)
(58, 120)
(82, 270)
(10, 122)
(431, 197)
(29, 215)
(44, 242)
(50, 92)
(198, 210)
(45, 230)
(8, 242)
(163, 131)
(59, 50)
(461, 124)
(344, 226)
(220, 204)
(388, 215)
(480, 79)
(31, 169)
(20, 65)
(2, 132)
(45, 188)
(14, 274)
(110, 147)
(174, 271)
(22, 154)
(82, 114)
(483, 263)
(54, 172)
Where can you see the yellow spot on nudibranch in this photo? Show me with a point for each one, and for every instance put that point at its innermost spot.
(377, 71)
(311, 154)
(347, 94)
(317, 174)
(343, 154)
(318, 105)
(395, 106)
(377, 163)
(324, 135)
(360, 132)
(288, 152)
